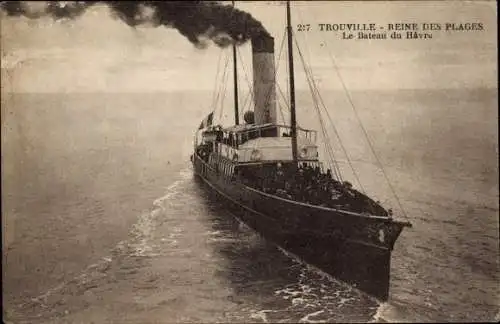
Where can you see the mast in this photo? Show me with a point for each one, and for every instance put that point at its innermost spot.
(293, 118)
(235, 78)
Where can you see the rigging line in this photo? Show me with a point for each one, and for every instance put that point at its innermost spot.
(327, 143)
(221, 87)
(216, 99)
(349, 98)
(244, 105)
(323, 128)
(335, 168)
(326, 139)
(332, 161)
(280, 91)
(282, 108)
(268, 95)
(371, 147)
(221, 84)
(280, 105)
(283, 96)
(246, 73)
(224, 87)
(341, 143)
(335, 129)
(248, 99)
(216, 78)
(328, 147)
(315, 90)
(247, 104)
(250, 93)
(310, 80)
(349, 160)
(328, 163)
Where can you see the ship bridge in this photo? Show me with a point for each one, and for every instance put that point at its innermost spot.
(250, 144)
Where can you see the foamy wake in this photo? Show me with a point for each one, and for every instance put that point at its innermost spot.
(137, 245)
(171, 190)
(322, 298)
(142, 230)
(261, 315)
(394, 313)
(304, 296)
(307, 318)
(381, 310)
(310, 267)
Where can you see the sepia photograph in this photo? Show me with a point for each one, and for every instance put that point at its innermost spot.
(249, 161)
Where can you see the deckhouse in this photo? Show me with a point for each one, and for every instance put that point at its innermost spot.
(249, 145)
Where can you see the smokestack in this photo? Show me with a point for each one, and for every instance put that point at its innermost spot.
(264, 83)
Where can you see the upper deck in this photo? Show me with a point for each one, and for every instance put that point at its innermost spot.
(259, 143)
(239, 134)
(245, 132)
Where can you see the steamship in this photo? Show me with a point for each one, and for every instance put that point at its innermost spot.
(351, 241)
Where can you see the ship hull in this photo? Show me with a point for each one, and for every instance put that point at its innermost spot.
(350, 247)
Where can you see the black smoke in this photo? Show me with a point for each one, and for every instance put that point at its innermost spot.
(196, 20)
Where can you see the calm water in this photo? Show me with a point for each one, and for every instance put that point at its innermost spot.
(106, 223)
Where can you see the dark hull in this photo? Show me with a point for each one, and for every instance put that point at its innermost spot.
(353, 248)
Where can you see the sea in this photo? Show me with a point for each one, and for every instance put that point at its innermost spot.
(103, 220)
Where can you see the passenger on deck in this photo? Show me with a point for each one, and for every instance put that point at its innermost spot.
(219, 135)
(310, 185)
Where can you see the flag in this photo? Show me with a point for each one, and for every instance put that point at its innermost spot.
(207, 121)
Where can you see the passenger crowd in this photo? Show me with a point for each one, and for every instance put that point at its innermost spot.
(309, 185)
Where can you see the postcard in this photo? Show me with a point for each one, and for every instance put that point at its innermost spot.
(249, 161)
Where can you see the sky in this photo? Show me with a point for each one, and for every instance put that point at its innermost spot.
(98, 53)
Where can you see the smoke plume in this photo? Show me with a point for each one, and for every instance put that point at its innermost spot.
(196, 20)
